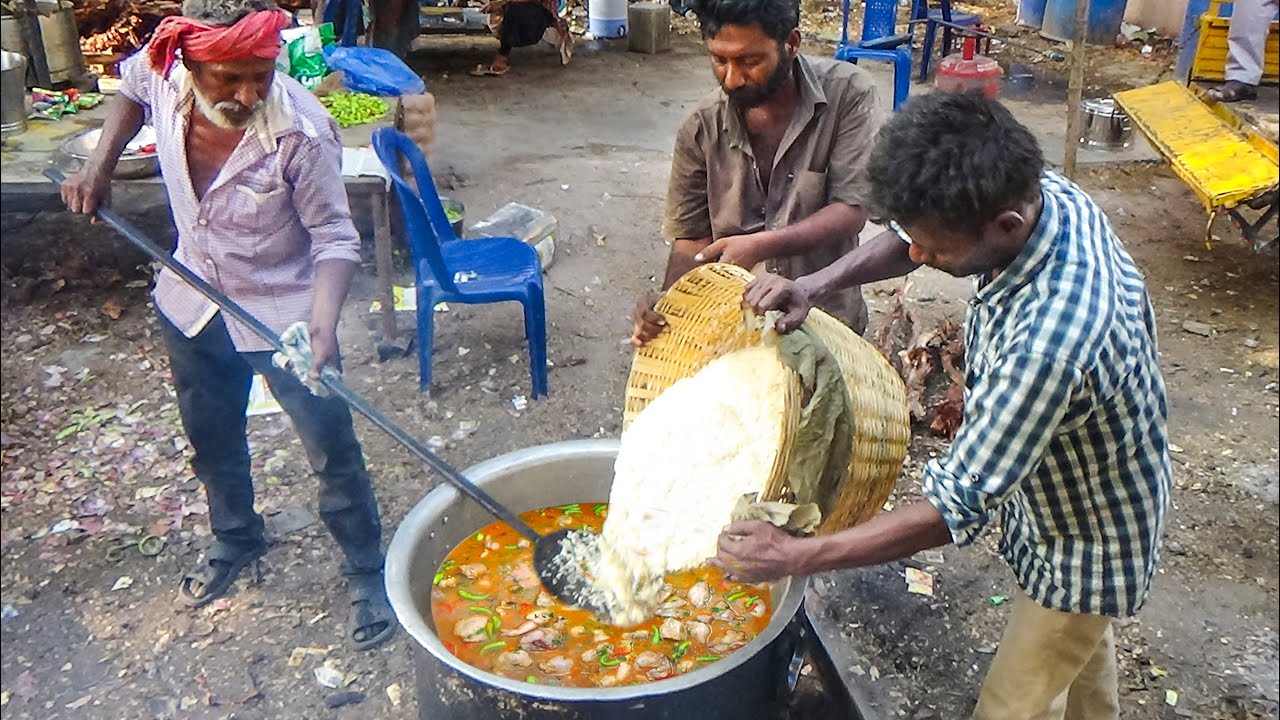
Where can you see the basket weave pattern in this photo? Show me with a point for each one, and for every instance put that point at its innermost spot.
(705, 320)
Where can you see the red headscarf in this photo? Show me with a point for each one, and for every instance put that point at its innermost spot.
(254, 35)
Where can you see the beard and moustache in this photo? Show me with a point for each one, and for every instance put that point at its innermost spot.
(750, 96)
(228, 114)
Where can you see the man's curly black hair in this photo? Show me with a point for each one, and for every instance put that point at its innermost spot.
(776, 17)
(955, 160)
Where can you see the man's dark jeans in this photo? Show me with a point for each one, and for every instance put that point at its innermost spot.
(212, 380)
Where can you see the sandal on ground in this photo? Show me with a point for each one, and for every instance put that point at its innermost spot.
(372, 622)
(489, 71)
(1233, 91)
(217, 570)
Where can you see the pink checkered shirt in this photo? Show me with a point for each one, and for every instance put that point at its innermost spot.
(277, 207)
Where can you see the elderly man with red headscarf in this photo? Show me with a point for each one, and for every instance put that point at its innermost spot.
(252, 165)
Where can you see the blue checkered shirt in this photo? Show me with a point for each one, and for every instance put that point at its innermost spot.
(1064, 431)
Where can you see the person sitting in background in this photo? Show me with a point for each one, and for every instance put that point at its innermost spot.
(521, 23)
(1246, 49)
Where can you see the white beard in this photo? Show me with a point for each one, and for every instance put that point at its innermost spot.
(215, 113)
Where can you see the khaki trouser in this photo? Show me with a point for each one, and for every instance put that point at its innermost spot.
(1052, 665)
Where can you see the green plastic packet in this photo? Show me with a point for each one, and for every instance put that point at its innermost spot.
(305, 53)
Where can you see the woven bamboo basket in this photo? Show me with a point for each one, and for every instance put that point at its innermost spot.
(705, 320)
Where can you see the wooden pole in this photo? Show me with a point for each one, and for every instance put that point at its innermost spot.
(1075, 89)
(385, 268)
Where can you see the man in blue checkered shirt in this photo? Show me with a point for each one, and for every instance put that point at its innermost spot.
(1064, 435)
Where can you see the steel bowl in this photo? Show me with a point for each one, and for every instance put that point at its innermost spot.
(133, 164)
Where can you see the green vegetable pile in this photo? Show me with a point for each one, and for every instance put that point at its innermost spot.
(354, 108)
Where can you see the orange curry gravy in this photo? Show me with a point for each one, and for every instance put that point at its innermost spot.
(491, 612)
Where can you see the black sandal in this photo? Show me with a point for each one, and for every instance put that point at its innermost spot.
(1233, 91)
(219, 567)
(372, 622)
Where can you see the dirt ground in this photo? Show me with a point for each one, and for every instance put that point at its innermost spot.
(94, 460)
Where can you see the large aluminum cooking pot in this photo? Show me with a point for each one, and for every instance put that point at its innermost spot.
(749, 684)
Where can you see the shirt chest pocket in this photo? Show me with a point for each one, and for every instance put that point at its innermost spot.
(259, 196)
(259, 205)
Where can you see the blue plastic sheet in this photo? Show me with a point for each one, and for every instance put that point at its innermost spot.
(374, 71)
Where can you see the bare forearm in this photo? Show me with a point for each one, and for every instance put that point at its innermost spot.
(333, 281)
(880, 258)
(887, 537)
(683, 259)
(834, 223)
(122, 124)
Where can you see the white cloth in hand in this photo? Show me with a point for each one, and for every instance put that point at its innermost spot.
(297, 357)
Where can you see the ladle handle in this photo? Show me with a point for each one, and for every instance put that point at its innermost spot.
(328, 377)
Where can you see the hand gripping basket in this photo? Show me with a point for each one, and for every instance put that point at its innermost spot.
(705, 320)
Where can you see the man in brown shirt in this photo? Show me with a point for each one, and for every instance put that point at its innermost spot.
(768, 171)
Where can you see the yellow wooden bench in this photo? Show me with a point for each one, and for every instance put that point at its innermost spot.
(1225, 162)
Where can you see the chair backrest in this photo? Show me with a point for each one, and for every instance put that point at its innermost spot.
(879, 19)
(920, 9)
(425, 222)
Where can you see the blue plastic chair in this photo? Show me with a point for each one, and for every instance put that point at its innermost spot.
(879, 42)
(922, 13)
(447, 269)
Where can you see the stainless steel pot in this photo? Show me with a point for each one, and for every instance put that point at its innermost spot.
(11, 35)
(13, 93)
(1104, 125)
(750, 683)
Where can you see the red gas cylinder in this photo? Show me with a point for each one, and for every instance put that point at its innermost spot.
(969, 71)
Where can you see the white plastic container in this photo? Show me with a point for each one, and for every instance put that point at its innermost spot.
(607, 19)
(535, 227)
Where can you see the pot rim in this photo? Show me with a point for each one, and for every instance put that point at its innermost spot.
(1103, 107)
(74, 145)
(10, 60)
(435, 503)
